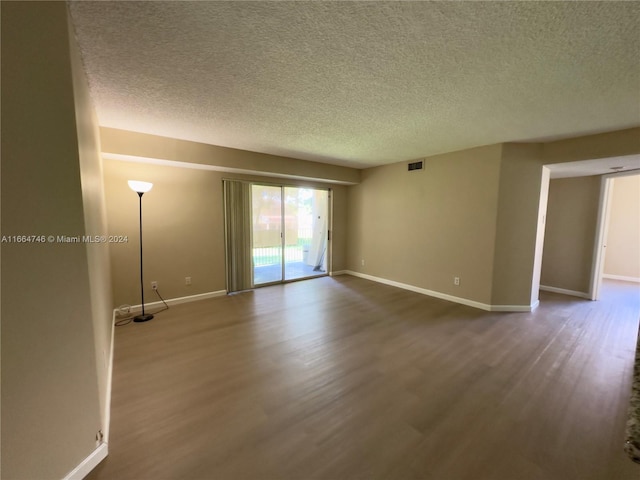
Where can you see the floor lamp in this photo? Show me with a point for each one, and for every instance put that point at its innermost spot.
(141, 188)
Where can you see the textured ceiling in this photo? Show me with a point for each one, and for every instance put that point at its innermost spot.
(362, 83)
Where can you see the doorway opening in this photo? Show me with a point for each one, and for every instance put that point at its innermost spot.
(620, 247)
(577, 256)
(290, 233)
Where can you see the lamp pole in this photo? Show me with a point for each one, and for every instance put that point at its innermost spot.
(140, 188)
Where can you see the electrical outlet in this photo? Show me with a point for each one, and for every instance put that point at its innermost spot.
(363, 262)
(456, 281)
(154, 285)
(187, 280)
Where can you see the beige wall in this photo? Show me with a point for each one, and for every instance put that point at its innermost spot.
(50, 396)
(622, 257)
(95, 218)
(517, 225)
(590, 147)
(122, 142)
(183, 229)
(423, 228)
(393, 227)
(471, 214)
(572, 216)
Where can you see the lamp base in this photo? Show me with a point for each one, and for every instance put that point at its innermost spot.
(142, 318)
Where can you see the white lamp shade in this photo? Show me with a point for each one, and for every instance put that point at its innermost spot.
(140, 187)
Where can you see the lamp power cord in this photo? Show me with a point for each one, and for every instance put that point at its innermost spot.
(124, 312)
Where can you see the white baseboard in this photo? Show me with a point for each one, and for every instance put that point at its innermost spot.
(88, 463)
(444, 296)
(621, 277)
(178, 300)
(515, 308)
(564, 291)
(338, 272)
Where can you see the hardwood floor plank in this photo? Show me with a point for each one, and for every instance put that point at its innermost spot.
(342, 378)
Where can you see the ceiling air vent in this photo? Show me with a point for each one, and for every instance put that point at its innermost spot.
(413, 166)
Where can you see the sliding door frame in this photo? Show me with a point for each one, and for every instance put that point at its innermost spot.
(282, 239)
(282, 186)
(329, 253)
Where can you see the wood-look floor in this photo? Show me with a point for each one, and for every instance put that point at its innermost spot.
(343, 378)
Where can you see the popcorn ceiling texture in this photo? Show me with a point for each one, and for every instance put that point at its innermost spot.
(362, 83)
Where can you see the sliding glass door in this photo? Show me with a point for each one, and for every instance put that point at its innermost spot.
(266, 202)
(290, 233)
(305, 234)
